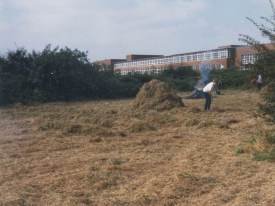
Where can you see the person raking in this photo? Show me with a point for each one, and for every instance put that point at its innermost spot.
(207, 90)
(259, 81)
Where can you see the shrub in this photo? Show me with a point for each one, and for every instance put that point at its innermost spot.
(181, 79)
(232, 78)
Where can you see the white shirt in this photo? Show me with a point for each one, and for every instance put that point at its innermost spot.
(209, 87)
(259, 79)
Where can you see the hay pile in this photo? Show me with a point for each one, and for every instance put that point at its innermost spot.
(157, 95)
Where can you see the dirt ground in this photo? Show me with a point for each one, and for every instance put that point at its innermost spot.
(103, 153)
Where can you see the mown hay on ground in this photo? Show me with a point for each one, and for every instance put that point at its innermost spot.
(262, 146)
(157, 95)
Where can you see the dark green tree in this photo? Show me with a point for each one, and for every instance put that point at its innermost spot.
(15, 72)
(54, 74)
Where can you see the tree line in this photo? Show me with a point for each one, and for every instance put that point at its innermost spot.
(63, 74)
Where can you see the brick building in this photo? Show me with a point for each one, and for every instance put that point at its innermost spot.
(223, 57)
(247, 56)
(108, 64)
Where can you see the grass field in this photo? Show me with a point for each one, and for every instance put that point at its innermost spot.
(104, 153)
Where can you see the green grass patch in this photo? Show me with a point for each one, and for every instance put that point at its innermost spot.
(265, 156)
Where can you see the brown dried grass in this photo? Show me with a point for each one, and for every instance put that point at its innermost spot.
(103, 153)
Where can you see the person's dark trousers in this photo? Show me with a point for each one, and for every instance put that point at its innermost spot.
(259, 85)
(208, 100)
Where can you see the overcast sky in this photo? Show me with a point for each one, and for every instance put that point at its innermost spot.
(114, 28)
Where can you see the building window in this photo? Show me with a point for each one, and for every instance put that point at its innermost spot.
(248, 59)
(223, 54)
(200, 57)
(182, 58)
(207, 56)
(195, 57)
(189, 58)
(215, 55)
(176, 59)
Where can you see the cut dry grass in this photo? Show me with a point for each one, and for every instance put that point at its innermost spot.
(262, 146)
(106, 153)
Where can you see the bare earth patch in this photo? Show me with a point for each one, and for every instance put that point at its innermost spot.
(103, 153)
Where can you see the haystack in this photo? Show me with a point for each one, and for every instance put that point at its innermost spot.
(157, 95)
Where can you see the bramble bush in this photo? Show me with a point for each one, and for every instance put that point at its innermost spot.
(265, 64)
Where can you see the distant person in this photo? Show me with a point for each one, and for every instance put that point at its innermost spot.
(207, 90)
(259, 81)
